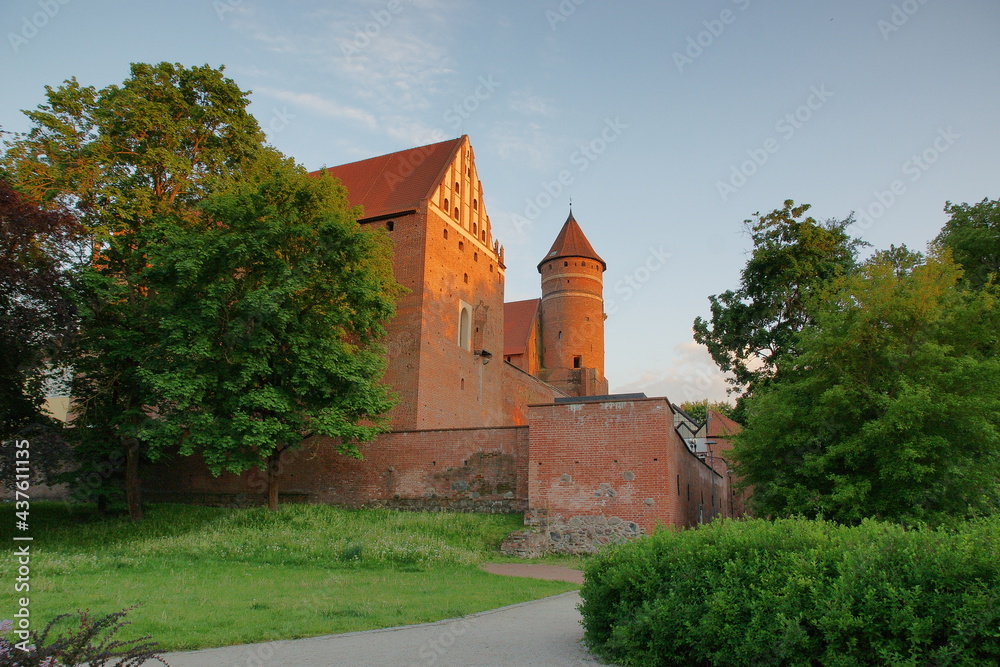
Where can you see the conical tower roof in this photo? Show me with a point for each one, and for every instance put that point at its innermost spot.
(571, 242)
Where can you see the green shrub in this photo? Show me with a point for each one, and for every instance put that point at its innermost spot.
(798, 592)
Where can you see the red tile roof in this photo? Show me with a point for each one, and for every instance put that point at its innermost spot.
(518, 319)
(721, 426)
(396, 182)
(571, 242)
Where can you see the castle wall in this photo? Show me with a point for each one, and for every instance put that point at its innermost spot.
(456, 389)
(616, 460)
(521, 390)
(408, 235)
(483, 470)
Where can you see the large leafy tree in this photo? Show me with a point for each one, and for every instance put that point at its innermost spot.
(889, 407)
(973, 236)
(37, 309)
(37, 323)
(120, 158)
(269, 312)
(753, 326)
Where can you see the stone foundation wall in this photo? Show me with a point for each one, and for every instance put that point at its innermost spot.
(576, 535)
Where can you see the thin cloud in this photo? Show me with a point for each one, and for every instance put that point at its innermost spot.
(692, 376)
(528, 104)
(322, 106)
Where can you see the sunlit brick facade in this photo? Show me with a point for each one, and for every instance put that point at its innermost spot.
(502, 407)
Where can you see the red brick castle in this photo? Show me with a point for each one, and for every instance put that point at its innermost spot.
(503, 406)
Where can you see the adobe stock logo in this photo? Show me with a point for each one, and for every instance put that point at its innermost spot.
(786, 126)
(30, 26)
(631, 283)
(582, 158)
(696, 44)
(915, 167)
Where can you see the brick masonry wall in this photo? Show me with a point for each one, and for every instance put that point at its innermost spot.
(521, 390)
(615, 459)
(403, 338)
(461, 469)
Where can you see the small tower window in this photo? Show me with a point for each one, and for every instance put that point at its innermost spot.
(475, 204)
(457, 190)
(462, 385)
(390, 225)
(491, 268)
(465, 278)
(578, 362)
(483, 234)
(583, 264)
(446, 206)
(475, 229)
(456, 214)
(565, 263)
(475, 257)
(461, 245)
(560, 335)
(446, 232)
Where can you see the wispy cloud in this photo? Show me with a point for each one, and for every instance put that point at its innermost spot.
(321, 105)
(691, 377)
(527, 103)
(525, 143)
(382, 63)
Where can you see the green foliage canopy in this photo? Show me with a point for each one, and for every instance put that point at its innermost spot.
(973, 236)
(753, 326)
(889, 405)
(268, 314)
(232, 304)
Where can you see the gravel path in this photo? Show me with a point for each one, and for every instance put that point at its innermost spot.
(544, 632)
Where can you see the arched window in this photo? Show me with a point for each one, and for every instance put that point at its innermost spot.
(465, 328)
(457, 191)
(475, 204)
(390, 225)
(484, 235)
(446, 232)
(456, 214)
(475, 229)
(446, 206)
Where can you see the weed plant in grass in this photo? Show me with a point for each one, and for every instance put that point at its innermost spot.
(213, 576)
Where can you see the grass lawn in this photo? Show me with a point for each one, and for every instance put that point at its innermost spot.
(213, 576)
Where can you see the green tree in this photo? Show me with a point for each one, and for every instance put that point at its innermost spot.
(889, 406)
(973, 236)
(37, 305)
(269, 311)
(753, 326)
(120, 158)
(698, 410)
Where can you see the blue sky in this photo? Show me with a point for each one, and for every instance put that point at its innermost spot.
(668, 123)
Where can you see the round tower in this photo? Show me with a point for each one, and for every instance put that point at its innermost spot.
(572, 314)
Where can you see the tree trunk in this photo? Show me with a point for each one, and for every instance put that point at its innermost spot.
(132, 491)
(273, 465)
